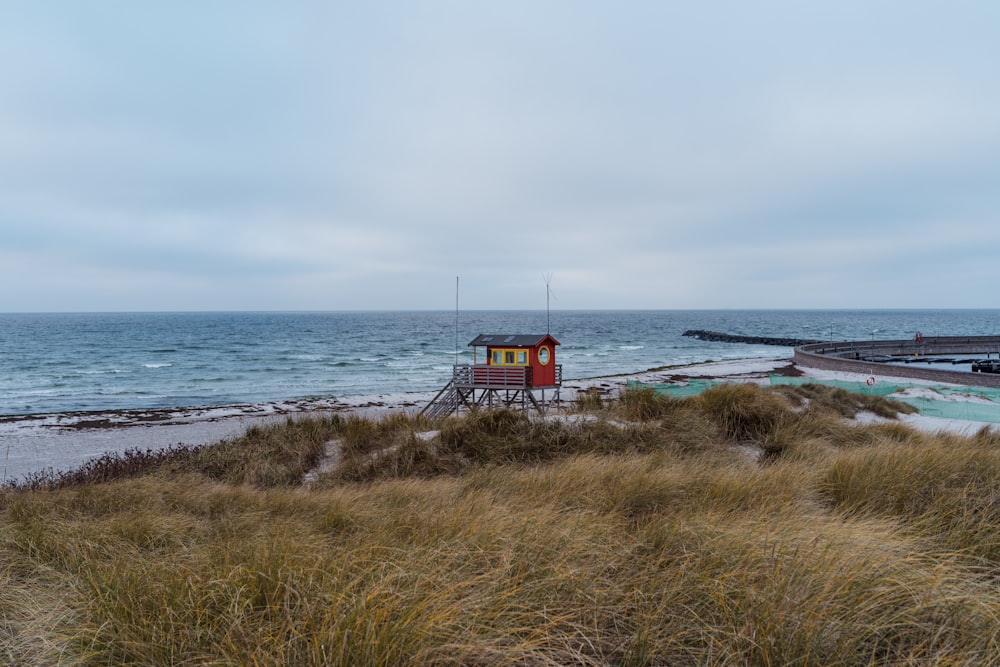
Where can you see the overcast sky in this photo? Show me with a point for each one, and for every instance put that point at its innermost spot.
(223, 155)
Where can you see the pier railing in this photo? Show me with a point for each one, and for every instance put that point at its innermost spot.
(925, 346)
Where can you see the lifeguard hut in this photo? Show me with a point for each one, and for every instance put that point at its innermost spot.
(514, 367)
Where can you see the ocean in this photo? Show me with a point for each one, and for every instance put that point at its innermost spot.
(64, 362)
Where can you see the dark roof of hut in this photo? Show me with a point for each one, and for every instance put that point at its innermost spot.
(510, 340)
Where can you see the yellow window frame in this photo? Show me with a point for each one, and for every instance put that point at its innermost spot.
(510, 356)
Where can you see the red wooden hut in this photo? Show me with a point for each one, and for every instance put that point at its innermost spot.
(513, 368)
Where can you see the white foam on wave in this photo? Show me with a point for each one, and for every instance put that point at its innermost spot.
(157, 365)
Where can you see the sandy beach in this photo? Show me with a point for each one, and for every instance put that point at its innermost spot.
(62, 441)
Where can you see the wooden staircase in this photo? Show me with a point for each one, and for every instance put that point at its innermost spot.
(446, 402)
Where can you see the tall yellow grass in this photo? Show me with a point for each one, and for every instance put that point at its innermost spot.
(647, 535)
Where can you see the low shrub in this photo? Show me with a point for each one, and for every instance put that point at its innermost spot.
(590, 400)
(108, 467)
(842, 402)
(645, 404)
(745, 411)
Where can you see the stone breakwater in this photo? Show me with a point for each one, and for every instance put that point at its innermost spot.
(719, 337)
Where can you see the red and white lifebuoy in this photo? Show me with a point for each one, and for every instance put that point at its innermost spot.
(870, 381)
(919, 337)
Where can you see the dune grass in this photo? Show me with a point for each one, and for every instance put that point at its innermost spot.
(743, 526)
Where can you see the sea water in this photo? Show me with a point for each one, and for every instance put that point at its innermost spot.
(120, 361)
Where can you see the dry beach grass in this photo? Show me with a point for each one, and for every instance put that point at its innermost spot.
(743, 526)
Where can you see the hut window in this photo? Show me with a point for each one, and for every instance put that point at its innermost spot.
(509, 357)
(543, 355)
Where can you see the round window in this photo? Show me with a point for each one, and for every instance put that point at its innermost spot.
(543, 355)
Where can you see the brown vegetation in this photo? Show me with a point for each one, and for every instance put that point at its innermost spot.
(636, 532)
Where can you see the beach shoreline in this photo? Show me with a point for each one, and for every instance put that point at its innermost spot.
(33, 443)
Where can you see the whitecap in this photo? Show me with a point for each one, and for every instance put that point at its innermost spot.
(161, 365)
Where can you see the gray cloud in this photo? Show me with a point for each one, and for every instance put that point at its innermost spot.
(647, 155)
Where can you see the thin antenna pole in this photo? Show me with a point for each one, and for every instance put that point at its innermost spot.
(456, 320)
(548, 311)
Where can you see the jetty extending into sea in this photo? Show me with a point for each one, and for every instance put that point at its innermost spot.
(861, 356)
(867, 356)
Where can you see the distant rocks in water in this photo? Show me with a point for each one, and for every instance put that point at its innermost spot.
(719, 337)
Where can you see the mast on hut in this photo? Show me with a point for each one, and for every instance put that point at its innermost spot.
(515, 367)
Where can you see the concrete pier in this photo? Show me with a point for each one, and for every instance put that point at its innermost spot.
(850, 357)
